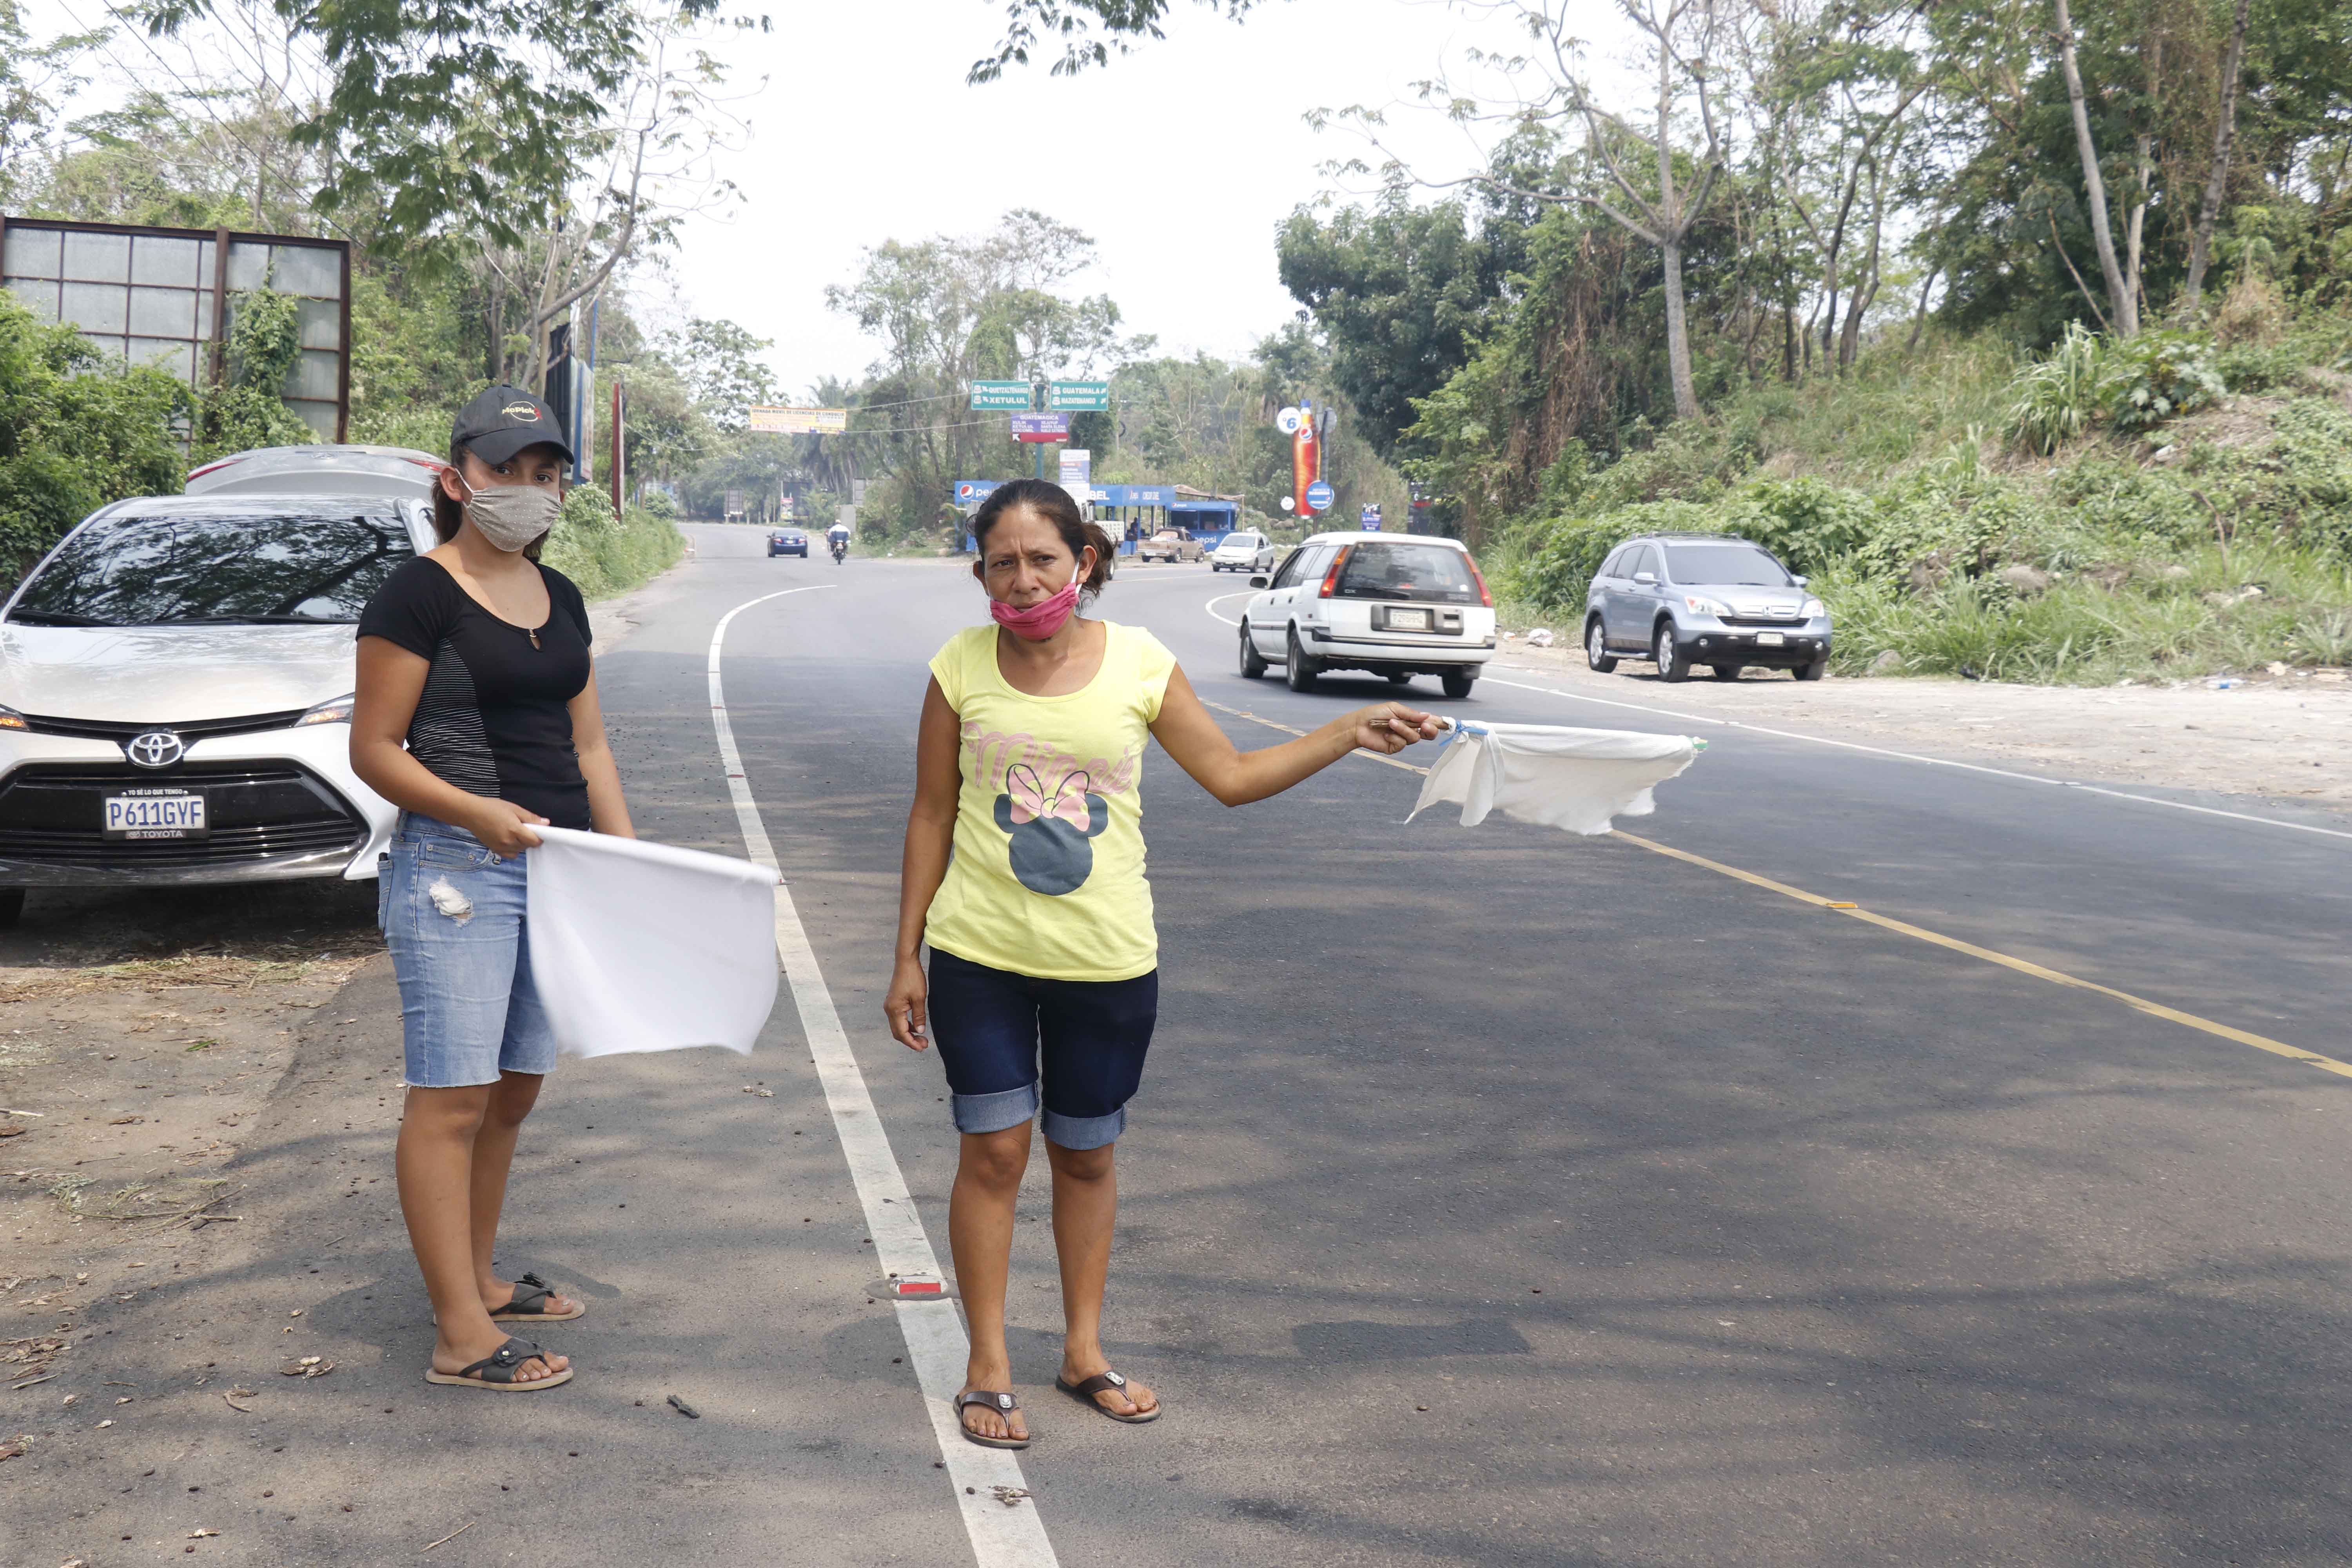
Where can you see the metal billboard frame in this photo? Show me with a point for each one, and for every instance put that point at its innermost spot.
(206, 277)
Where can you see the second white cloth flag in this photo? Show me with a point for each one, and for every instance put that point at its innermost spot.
(648, 947)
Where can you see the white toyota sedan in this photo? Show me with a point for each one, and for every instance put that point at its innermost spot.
(1396, 605)
(176, 692)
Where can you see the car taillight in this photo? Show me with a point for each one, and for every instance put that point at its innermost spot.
(1479, 577)
(1331, 578)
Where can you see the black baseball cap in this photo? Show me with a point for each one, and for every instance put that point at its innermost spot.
(502, 421)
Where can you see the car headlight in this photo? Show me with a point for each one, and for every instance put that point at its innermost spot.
(12, 720)
(1704, 605)
(1813, 607)
(338, 711)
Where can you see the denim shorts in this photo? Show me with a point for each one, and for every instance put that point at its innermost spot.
(993, 1027)
(453, 915)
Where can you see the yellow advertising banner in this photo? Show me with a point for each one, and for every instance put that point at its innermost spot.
(800, 421)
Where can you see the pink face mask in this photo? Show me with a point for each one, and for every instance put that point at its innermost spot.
(1040, 620)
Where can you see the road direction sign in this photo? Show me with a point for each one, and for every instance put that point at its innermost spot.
(1319, 496)
(1079, 396)
(1041, 427)
(1000, 395)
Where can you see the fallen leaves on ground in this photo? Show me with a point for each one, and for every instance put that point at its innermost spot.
(309, 1366)
(233, 1395)
(1009, 1496)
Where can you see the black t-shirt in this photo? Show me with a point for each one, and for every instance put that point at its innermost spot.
(492, 719)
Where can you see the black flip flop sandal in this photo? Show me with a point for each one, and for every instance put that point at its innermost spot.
(1002, 1404)
(529, 1304)
(497, 1371)
(1084, 1392)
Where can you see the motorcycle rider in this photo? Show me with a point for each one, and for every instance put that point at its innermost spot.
(839, 537)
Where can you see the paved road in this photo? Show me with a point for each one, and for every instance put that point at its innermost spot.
(1494, 1196)
(1503, 1197)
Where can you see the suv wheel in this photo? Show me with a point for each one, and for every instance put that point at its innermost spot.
(1596, 648)
(1810, 671)
(1457, 683)
(1673, 664)
(1253, 661)
(1299, 670)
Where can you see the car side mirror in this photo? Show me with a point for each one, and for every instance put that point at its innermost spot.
(1257, 581)
(1800, 582)
(1647, 579)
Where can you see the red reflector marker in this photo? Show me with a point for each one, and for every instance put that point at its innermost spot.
(918, 1287)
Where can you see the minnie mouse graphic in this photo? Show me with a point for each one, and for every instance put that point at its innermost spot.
(1050, 832)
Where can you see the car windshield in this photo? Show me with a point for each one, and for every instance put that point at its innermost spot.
(246, 566)
(1730, 565)
(1430, 572)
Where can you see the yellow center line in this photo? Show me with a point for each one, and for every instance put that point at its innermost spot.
(1920, 933)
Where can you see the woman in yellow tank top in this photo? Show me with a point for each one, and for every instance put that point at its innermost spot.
(1024, 874)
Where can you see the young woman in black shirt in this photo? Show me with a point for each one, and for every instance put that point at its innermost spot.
(476, 715)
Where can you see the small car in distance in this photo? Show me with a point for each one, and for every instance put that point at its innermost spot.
(788, 541)
(1170, 544)
(1681, 599)
(1396, 607)
(1244, 550)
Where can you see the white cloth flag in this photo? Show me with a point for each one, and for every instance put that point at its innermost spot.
(648, 947)
(1575, 779)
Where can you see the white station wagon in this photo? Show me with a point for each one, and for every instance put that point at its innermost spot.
(1396, 605)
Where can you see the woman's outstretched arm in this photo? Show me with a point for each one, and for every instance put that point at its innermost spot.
(931, 833)
(1237, 777)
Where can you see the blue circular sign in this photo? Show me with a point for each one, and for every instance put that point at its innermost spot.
(1320, 496)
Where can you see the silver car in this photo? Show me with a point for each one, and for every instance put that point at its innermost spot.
(176, 680)
(1681, 599)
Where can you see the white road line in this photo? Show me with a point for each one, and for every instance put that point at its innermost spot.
(1930, 761)
(1002, 1536)
(1234, 620)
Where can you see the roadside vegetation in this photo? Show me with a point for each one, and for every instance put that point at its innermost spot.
(1962, 513)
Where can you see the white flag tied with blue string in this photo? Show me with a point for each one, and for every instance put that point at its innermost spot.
(648, 947)
(1575, 779)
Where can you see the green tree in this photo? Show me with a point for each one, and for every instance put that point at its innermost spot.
(1399, 291)
(76, 434)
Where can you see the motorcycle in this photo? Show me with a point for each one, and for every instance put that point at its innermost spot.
(840, 550)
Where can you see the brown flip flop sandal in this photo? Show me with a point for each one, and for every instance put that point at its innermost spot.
(1002, 1404)
(498, 1372)
(529, 1304)
(1084, 1392)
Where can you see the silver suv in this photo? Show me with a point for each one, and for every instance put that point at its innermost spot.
(1703, 598)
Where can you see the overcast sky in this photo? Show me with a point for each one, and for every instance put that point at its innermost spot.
(1179, 160)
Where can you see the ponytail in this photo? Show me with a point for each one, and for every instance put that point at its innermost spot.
(1053, 503)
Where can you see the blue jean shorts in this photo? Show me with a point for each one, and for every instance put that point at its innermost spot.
(453, 915)
(996, 1029)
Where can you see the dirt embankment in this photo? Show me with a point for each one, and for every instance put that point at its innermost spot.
(139, 1036)
(2285, 737)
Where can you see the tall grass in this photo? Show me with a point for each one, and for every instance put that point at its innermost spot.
(2081, 633)
(605, 555)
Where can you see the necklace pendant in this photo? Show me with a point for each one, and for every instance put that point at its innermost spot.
(533, 635)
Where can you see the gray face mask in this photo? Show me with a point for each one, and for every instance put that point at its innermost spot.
(511, 516)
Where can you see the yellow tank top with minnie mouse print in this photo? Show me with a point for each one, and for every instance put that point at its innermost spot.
(1047, 879)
